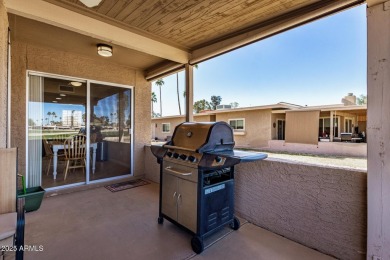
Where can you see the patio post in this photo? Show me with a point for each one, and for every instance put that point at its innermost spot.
(331, 127)
(378, 129)
(189, 71)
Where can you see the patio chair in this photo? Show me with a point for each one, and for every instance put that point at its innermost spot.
(11, 208)
(75, 153)
(49, 154)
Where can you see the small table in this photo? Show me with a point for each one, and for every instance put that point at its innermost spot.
(356, 139)
(57, 147)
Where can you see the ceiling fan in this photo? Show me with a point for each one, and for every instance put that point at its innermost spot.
(91, 3)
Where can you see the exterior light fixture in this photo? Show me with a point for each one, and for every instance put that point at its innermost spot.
(91, 3)
(76, 83)
(104, 50)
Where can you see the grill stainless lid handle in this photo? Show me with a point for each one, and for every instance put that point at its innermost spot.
(175, 171)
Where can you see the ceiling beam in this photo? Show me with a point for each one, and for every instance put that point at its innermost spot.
(163, 70)
(271, 27)
(54, 15)
(371, 3)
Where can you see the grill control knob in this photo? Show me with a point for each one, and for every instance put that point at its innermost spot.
(218, 159)
(183, 157)
(169, 154)
(176, 155)
(192, 158)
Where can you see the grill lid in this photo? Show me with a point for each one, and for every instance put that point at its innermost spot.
(202, 137)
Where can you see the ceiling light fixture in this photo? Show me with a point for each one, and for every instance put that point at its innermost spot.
(62, 95)
(104, 50)
(54, 101)
(58, 98)
(91, 3)
(76, 83)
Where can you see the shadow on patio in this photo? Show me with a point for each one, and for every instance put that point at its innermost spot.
(98, 224)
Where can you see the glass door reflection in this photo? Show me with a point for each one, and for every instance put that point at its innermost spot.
(110, 130)
(61, 118)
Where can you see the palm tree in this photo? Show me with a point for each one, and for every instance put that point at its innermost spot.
(159, 83)
(154, 100)
(53, 115)
(49, 114)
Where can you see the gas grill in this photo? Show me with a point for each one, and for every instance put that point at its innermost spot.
(197, 178)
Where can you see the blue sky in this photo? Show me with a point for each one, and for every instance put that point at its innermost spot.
(315, 64)
(104, 107)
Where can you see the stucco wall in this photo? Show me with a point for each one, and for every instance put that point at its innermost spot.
(31, 57)
(274, 119)
(202, 118)
(257, 127)
(3, 74)
(320, 207)
(174, 121)
(323, 148)
(152, 168)
(158, 122)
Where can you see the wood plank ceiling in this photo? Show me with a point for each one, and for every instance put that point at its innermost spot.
(189, 23)
(205, 28)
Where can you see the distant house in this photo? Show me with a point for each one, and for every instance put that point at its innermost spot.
(252, 125)
(283, 125)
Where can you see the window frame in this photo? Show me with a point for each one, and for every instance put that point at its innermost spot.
(350, 122)
(336, 118)
(237, 119)
(162, 128)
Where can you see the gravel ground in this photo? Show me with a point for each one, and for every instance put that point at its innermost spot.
(335, 161)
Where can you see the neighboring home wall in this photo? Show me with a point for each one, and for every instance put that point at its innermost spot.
(321, 207)
(274, 120)
(302, 127)
(257, 127)
(203, 118)
(3, 74)
(174, 121)
(362, 123)
(30, 57)
(322, 148)
(158, 126)
(344, 116)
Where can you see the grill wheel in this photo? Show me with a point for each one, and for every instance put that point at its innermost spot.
(197, 244)
(235, 225)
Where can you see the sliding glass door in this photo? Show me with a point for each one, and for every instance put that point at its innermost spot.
(110, 130)
(63, 113)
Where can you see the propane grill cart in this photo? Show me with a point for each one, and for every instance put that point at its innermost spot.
(197, 178)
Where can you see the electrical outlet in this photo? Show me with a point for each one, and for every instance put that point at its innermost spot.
(374, 257)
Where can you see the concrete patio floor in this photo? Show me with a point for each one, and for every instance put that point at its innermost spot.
(99, 224)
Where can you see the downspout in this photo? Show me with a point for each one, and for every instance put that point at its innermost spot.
(8, 128)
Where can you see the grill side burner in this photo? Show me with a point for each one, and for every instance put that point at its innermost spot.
(197, 178)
